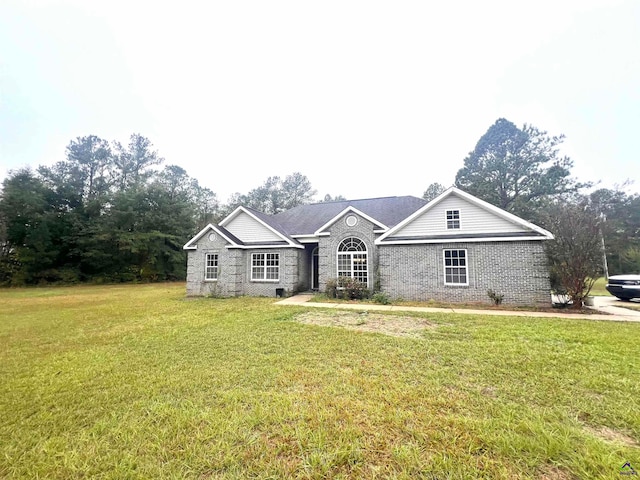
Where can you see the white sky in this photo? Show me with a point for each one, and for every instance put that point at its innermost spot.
(365, 98)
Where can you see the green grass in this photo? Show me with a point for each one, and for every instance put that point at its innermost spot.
(125, 382)
(599, 288)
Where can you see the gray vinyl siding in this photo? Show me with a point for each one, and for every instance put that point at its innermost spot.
(517, 270)
(473, 219)
(248, 230)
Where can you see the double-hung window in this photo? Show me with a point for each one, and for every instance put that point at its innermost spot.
(265, 267)
(453, 219)
(352, 260)
(455, 267)
(211, 266)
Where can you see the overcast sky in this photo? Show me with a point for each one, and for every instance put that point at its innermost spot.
(365, 98)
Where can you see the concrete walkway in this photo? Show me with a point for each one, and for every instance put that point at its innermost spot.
(606, 305)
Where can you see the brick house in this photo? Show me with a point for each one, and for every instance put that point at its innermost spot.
(453, 248)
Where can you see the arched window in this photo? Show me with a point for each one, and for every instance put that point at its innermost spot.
(352, 259)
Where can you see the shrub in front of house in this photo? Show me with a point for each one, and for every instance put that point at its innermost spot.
(346, 288)
(381, 298)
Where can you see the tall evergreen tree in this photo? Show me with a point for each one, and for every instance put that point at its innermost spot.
(433, 191)
(276, 195)
(620, 228)
(515, 168)
(33, 230)
(134, 162)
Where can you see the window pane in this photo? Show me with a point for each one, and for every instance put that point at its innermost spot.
(352, 259)
(257, 269)
(265, 266)
(211, 266)
(453, 219)
(344, 262)
(455, 267)
(272, 259)
(352, 244)
(272, 273)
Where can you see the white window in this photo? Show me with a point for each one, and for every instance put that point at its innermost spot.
(455, 267)
(211, 266)
(453, 219)
(352, 260)
(265, 266)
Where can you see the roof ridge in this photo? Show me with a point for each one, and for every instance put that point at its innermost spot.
(365, 199)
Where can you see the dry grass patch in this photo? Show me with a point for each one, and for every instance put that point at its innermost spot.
(551, 472)
(394, 325)
(613, 436)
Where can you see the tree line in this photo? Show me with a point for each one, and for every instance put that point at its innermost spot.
(110, 213)
(106, 213)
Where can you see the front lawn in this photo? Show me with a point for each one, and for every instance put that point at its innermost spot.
(138, 382)
(599, 288)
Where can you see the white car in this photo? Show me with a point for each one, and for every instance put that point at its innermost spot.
(625, 287)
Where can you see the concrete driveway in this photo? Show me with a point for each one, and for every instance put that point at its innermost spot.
(615, 306)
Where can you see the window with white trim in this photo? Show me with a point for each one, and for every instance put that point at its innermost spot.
(353, 260)
(211, 266)
(265, 267)
(453, 219)
(455, 267)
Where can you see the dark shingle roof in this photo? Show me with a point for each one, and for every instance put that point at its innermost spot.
(307, 219)
(271, 221)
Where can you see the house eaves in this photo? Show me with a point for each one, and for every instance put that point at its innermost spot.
(467, 238)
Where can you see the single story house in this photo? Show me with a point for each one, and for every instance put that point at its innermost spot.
(453, 248)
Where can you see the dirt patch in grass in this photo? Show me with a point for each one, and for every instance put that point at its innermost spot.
(551, 472)
(395, 325)
(610, 435)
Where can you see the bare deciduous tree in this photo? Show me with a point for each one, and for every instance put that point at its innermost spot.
(575, 255)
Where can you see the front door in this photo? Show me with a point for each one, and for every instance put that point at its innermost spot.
(315, 275)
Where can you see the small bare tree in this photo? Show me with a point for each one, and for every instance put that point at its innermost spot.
(575, 255)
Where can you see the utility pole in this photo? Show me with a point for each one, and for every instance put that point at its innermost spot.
(604, 251)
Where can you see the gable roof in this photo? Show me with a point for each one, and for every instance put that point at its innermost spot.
(223, 232)
(523, 230)
(279, 236)
(378, 225)
(309, 219)
(395, 217)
